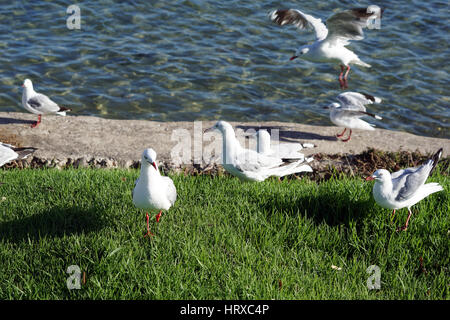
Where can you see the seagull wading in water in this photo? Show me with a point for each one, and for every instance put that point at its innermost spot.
(249, 165)
(151, 190)
(404, 188)
(330, 42)
(38, 103)
(348, 112)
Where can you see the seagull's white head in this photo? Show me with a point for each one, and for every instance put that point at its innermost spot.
(332, 106)
(27, 84)
(380, 175)
(220, 125)
(149, 157)
(301, 52)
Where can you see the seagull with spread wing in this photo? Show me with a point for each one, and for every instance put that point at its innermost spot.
(331, 39)
(351, 108)
(39, 103)
(249, 165)
(404, 188)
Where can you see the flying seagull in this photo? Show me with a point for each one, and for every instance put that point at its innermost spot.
(39, 103)
(331, 39)
(404, 188)
(151, 190)
(348, 112)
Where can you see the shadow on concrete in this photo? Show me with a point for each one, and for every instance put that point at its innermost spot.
(288, 136)
(15, 121)
(56, 222)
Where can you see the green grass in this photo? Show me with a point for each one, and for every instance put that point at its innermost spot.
(223, 239)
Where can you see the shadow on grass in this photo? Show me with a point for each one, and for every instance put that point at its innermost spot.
(332, 209)
(56, 222)
(290, 136)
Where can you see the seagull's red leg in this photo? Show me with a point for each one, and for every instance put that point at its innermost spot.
(37, 122)
(405, 227)
(148, 234)
(341, 81)
(345, 77)
(341, 134)
(158, 216)
(348, 139)
(392, 215)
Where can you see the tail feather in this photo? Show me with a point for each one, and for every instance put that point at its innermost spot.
(62, 111)
(24, 152)
(361, 63)
(292, 168)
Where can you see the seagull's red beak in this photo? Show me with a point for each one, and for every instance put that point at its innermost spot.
(293, 57)
(369, 178)
(154, 166)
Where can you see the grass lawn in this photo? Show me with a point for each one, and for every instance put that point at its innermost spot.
(223, 239)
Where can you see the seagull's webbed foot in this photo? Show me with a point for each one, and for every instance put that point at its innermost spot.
(35, 124)
(340, 135)
(349, 136)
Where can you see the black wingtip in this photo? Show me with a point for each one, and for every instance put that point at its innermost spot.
(435, 158)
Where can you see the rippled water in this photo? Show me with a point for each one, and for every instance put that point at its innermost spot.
(186, 60)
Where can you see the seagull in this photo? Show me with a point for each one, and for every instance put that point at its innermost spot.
(330, 42)
(404, 188)
(282, 150)
(38, 103)
(151, 190)
(347, 114)
(249, 165)
(9, 153)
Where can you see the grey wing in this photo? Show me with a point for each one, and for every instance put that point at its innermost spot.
(346, 113)
(410, 181)
(300, 20)
(356, 101)
(397, 174)
(43, 103)
(7, 154)
(348, 25)
(171, 190)
(132, 192)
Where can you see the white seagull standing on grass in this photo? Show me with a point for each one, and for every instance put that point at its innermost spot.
(249, 165)
(151, 190)
(347, 114)
(281, 150)
(9, 153)
(404, 188)
(38, 103)
(330, 42)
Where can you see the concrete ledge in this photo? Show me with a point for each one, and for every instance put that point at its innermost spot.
(83, 140)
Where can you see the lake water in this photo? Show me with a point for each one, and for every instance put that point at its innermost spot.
(194, 60)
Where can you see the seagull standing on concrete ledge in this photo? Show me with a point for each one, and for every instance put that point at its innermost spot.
(347, 114)
(330, 42)
(249, 165)
(151, 190)
(404, 188)
(38, 103)
(9, 153)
